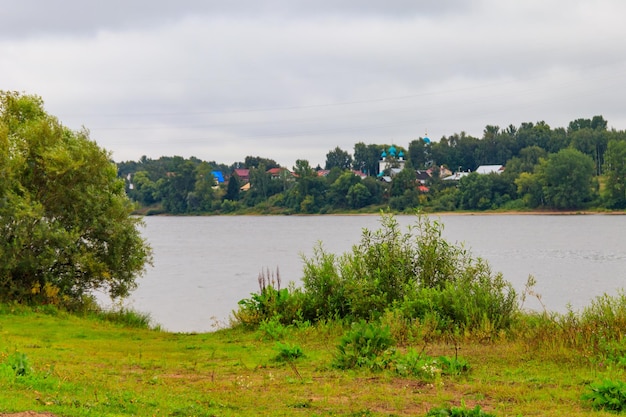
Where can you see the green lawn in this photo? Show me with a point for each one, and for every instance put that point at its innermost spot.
(88, 367)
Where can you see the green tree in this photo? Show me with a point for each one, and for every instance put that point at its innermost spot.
(178, 185)
(402, 181)
(259, 186)
(257, 161)
(64, 215)
(359, 195)
(307, 194)
(144, 189)
(338, 158)
(483, 192)
(375, 189)
(592, 142)
(457, 152)
(475, 192)
(232, 191)
(566, 179)
(338, 192)
(366, 158)
(529, 189)
(615, 171)
(418, 153)
(203, 194)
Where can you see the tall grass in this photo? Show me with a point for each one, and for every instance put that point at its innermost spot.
(596, 332)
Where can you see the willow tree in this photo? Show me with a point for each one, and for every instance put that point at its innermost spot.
(65, 221)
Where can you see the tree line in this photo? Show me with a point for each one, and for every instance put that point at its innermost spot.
(582, 166)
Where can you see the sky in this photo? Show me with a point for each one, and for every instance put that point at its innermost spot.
(293, 79)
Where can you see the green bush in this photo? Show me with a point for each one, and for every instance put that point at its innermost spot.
(453, 366)
(272, 328)
(364, 345)
(20, 364)
(271, 302)
(607, 395)
(417, 271)
(416, 365)
(287, 352)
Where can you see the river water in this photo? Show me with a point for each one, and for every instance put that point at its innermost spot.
(204, 265)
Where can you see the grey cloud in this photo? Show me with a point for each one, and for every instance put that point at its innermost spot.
(293, 79)
(61, 17)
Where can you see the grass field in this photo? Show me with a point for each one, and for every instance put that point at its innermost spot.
(85, 366)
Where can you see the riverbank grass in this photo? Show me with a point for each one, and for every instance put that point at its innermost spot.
(77, 366)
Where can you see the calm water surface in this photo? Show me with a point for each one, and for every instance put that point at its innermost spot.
(204, 265)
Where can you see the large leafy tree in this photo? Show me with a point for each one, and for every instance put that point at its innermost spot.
(338, 158)
(338, 192)
(419, 153)
(176, 189)
(566, 178)
(307, 195)
(64, 216)
(366, 158)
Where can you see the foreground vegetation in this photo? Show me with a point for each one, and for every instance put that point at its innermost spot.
(403, 325)
(78, 366)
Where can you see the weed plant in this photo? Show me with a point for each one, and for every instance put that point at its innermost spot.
(18, 362)
(370, 345)
(288, 352)
(364, 345)
(607, 395)
(271, 302)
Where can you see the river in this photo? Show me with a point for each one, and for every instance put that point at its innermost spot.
(204, 265)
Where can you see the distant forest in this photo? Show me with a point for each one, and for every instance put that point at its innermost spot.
(581, 167)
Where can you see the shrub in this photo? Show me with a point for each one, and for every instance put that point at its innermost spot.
(607, 395)
(272, 328)
(453, 366)
(271, 302)
(363, 346)
(287, 352)
(415, 365)
(418, 271)
(19, 363)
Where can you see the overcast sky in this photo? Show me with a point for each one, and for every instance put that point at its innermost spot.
(290, 79)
